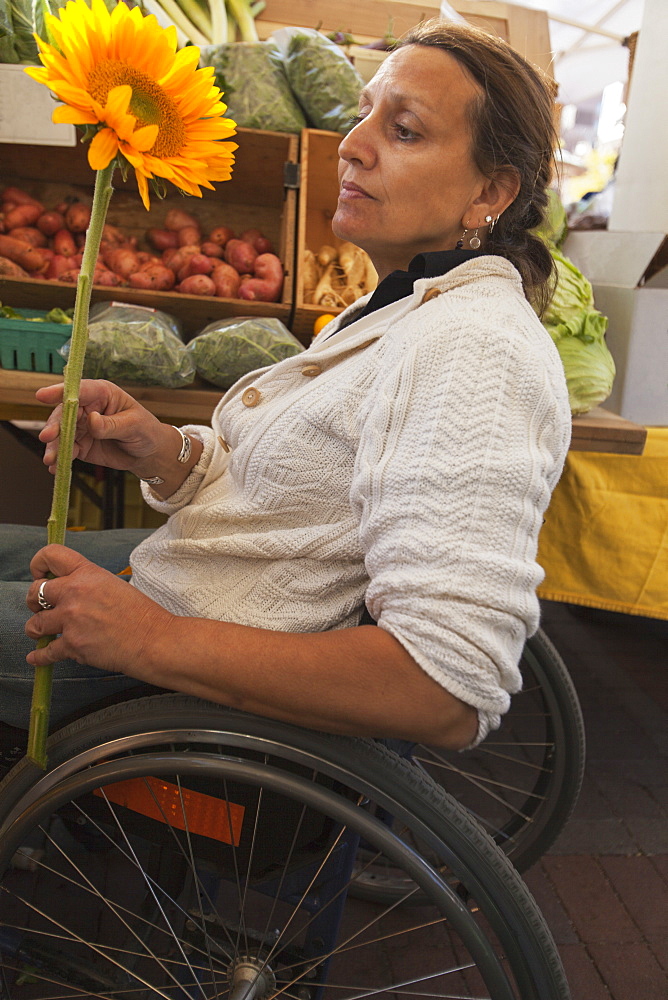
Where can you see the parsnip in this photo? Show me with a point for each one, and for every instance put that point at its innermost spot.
(351, 259)
(326, 255)
(311, 275)
(328, 291)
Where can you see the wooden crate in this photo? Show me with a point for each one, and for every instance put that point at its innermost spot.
(260, 195)
(318, 195)
(527, 30)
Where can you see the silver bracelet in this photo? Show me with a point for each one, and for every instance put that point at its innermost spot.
(182, 457)
(186, 447)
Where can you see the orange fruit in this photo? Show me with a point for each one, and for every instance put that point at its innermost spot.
(321, 322)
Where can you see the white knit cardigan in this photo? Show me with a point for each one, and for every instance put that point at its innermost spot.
(410, 469)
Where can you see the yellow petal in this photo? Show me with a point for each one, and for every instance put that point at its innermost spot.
(66, 115)
(142, 184)
(102, 149)
(118, 100)
(144, 138)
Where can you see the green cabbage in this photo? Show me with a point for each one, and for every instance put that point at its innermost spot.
(578, 330)
(555, 226)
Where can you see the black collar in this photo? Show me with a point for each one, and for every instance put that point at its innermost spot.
(399, 284)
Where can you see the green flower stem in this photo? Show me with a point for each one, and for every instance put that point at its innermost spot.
(57, 523)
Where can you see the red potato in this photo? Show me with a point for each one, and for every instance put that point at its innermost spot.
(156, 277)
(77, 260)
(240, 255)
(18, 197)
(26, 256)
(221, 235)
(176, 219)
(144, 258)
(103, 276)
(199, 263)
(57, 265)
(189, 236)
(267, 283)
(8, 269)
(226, 280)
(50, 222)
(181, 257)
(257, 240)
(162, 239)
(63, 243)
(77, 217)
(197, 284)
(70, 276)
(23, 215)
(113, 237)
(29, 235)
(122, 261)
(212, 249)
(169, 255)
(79, 240)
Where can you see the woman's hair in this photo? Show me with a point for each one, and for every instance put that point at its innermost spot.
(512, 125)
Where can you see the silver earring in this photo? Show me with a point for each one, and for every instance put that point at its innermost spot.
(460, 241)
(474, 242)
(492, 223)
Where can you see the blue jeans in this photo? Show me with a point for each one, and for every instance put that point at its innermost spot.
(74, 685)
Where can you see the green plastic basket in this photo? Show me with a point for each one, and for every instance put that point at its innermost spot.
(33, 347)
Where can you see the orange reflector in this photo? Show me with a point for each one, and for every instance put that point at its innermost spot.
(181, 808)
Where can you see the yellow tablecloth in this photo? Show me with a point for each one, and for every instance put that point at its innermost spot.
(604, 543)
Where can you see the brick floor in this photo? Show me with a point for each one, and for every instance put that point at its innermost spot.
(603, 887)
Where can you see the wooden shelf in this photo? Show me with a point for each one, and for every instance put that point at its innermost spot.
(599, 430)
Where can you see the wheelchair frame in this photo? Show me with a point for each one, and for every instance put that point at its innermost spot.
(492, 940)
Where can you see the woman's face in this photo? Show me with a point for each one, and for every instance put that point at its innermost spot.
(406, 173)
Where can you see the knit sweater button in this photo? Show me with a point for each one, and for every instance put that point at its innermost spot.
(311, 370)
(223, 443)
(431, 293)
(251, 397)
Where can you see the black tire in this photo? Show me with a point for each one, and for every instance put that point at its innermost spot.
(523, 781)
(481, 905)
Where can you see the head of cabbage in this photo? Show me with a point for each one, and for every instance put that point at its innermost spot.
(578, 330)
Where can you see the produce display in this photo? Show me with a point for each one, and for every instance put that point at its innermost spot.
(47, 243)
(335, 277)
(227, 349)
(128, 343)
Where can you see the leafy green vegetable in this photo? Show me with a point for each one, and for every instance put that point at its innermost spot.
(54, 316)
(324, 81)
(135, 344)
(7, 42)
(227, 349)
(578, 330)
(555, 227)
(255, 87)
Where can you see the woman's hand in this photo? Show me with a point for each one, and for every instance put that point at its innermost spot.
(97, 618)
(113, 429)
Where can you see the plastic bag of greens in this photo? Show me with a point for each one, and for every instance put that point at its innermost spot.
(229, 348)
(322, 78)
(128, 343)
(254, 85)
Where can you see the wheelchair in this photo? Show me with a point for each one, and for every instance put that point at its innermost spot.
(178, 849)
(521, 783)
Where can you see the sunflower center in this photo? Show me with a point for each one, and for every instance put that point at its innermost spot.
(149, 103)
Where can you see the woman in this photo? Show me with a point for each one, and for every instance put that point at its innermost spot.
(403, 462)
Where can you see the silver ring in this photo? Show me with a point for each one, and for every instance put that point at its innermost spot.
(41, 599)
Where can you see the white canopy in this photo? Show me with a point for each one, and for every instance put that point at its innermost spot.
(587, 37)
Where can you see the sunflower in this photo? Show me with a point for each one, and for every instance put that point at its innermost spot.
(119, 73)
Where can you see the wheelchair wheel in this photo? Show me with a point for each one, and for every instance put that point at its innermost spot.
(523, 781)
(177, 849)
